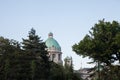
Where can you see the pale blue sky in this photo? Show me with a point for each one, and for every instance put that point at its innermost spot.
(69, 20)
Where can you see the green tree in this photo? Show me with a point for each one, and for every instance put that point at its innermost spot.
(101, 44)
(36, 48)
(7, 69)
(33, 67)
(56, 72)
(33, 43)
(18, 63)
(8, 54)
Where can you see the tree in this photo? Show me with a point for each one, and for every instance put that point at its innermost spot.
(33, 43)
(7, 69)
(36, 48)
(102, 43)
(9, 51)
(33, 66)
(27, 63)
(56, 72)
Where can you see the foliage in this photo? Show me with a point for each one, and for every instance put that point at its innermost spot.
(34, 46)
(59, 72)
(30, 62)
(20, 63)
(56, 72)
(6, 68)
(33, 68)
(33, 43)
(102, 43)
(106, 73)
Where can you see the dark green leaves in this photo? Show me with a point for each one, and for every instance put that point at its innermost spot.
(102, 42)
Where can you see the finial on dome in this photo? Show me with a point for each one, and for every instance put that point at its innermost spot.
(50, 34)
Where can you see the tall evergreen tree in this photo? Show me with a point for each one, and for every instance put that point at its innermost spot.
(33, 43)
(36, 48)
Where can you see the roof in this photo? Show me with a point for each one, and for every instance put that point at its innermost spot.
(51, 42)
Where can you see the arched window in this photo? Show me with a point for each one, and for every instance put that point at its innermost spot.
(53, 56)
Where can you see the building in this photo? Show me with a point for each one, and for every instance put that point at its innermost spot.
(53, 49)
(68, 61)
(84, 73)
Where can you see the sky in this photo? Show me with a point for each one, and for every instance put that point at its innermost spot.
(68, 20)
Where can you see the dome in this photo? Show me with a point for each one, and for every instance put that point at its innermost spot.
(51, 42)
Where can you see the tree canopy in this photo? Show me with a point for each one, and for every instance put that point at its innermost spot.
(28, 60)
(102, 43)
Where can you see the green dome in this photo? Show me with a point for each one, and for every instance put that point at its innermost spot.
(51, 42)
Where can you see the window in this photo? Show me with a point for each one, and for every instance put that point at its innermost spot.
(59, 56)
(53, 57)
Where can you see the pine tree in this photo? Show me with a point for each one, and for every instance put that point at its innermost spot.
(35, 47)
(33, 43)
